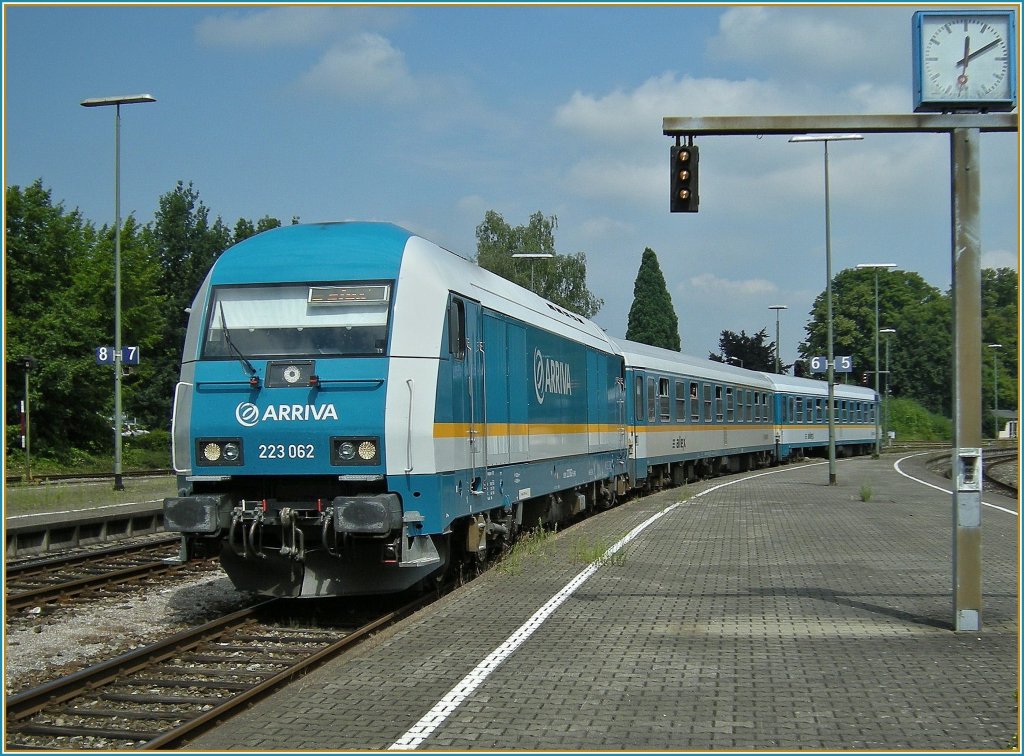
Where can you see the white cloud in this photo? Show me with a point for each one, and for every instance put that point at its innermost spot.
(625, 116)
(790, 43)
(285, 26)
(1000, 258)
(365, 67)
(724, 289)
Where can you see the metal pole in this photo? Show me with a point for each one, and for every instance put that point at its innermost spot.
(28, 427)
(778, 363)
(967, 461)
(118, 479)
(888, 380)
(888, 377)
(830, 353)
(995, 391)
(878, 427)
(117, 102)
(778, 345)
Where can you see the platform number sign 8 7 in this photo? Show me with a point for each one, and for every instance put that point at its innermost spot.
(105, 355)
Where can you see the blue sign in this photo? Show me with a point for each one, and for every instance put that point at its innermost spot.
(106, 355)
(843, 365)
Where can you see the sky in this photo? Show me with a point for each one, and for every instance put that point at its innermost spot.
(429, 116)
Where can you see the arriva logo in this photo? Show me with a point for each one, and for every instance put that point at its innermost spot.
(550, 376)
(248, 414)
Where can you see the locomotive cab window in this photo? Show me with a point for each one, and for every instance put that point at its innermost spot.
(457, 328)
(297, 320)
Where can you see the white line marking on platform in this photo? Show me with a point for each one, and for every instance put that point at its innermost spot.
(465, 687)
(896, 467)
(86, 509)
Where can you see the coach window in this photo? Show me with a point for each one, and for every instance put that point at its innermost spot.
(707, 402)
(750, 406)
(719, 409)
(652, 399)
(638, 398)
(694, 402)
(730, 403)
(663, 402)
(457, 328)
(799, 409)
(680, 402)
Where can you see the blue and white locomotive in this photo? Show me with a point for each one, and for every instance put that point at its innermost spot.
(359, 408)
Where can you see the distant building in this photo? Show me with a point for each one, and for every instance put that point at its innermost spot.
(1007, 423)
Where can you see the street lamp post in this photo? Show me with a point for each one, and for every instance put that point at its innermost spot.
(533, 256)
(877, 267)
(117, 102)
(888, 380)
(778, 363)
(830, 357)
(995, 390)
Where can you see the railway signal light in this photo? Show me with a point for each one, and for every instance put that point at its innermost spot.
(684, 179)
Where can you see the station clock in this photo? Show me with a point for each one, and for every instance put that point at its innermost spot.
(964, 61)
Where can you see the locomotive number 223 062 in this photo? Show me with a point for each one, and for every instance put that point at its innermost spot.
(289, 451)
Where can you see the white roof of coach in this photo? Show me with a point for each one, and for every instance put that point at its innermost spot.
(666, 361)
(789, 384)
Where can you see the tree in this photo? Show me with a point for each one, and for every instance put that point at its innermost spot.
(1000, 319)
(60, 308)
(185, 244)
(562, 279)
(750, 352)
(44, 248)
(652, 318)
(921, 349)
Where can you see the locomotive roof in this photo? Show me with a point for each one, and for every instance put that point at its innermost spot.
(375, 251)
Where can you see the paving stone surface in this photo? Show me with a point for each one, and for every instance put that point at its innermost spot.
(775, 612)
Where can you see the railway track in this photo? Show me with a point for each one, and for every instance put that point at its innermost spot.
(35, 582)
(158, 696)
(1001, 471)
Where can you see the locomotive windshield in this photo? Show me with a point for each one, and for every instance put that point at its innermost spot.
(297, 320)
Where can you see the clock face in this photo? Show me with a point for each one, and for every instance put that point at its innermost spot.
(965, 59)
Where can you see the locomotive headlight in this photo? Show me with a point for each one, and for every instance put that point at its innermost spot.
(232, 451)
(218, 451)
(348, 450)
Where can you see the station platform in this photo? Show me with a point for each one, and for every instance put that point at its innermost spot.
(767, 611)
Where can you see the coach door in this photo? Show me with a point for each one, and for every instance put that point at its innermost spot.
(466, 349)
(637, 426)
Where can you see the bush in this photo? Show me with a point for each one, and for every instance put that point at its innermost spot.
(912, 422)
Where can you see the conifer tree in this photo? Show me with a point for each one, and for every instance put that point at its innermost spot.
(652, 318)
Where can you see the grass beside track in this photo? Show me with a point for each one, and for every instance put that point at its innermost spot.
(58, 496)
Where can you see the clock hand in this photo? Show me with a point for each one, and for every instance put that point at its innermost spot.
(978, 52)
(961, 80)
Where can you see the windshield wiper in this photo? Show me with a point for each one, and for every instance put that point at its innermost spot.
(231, 345)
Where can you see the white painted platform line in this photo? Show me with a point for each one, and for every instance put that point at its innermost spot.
(444, 708)
(896, 467)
